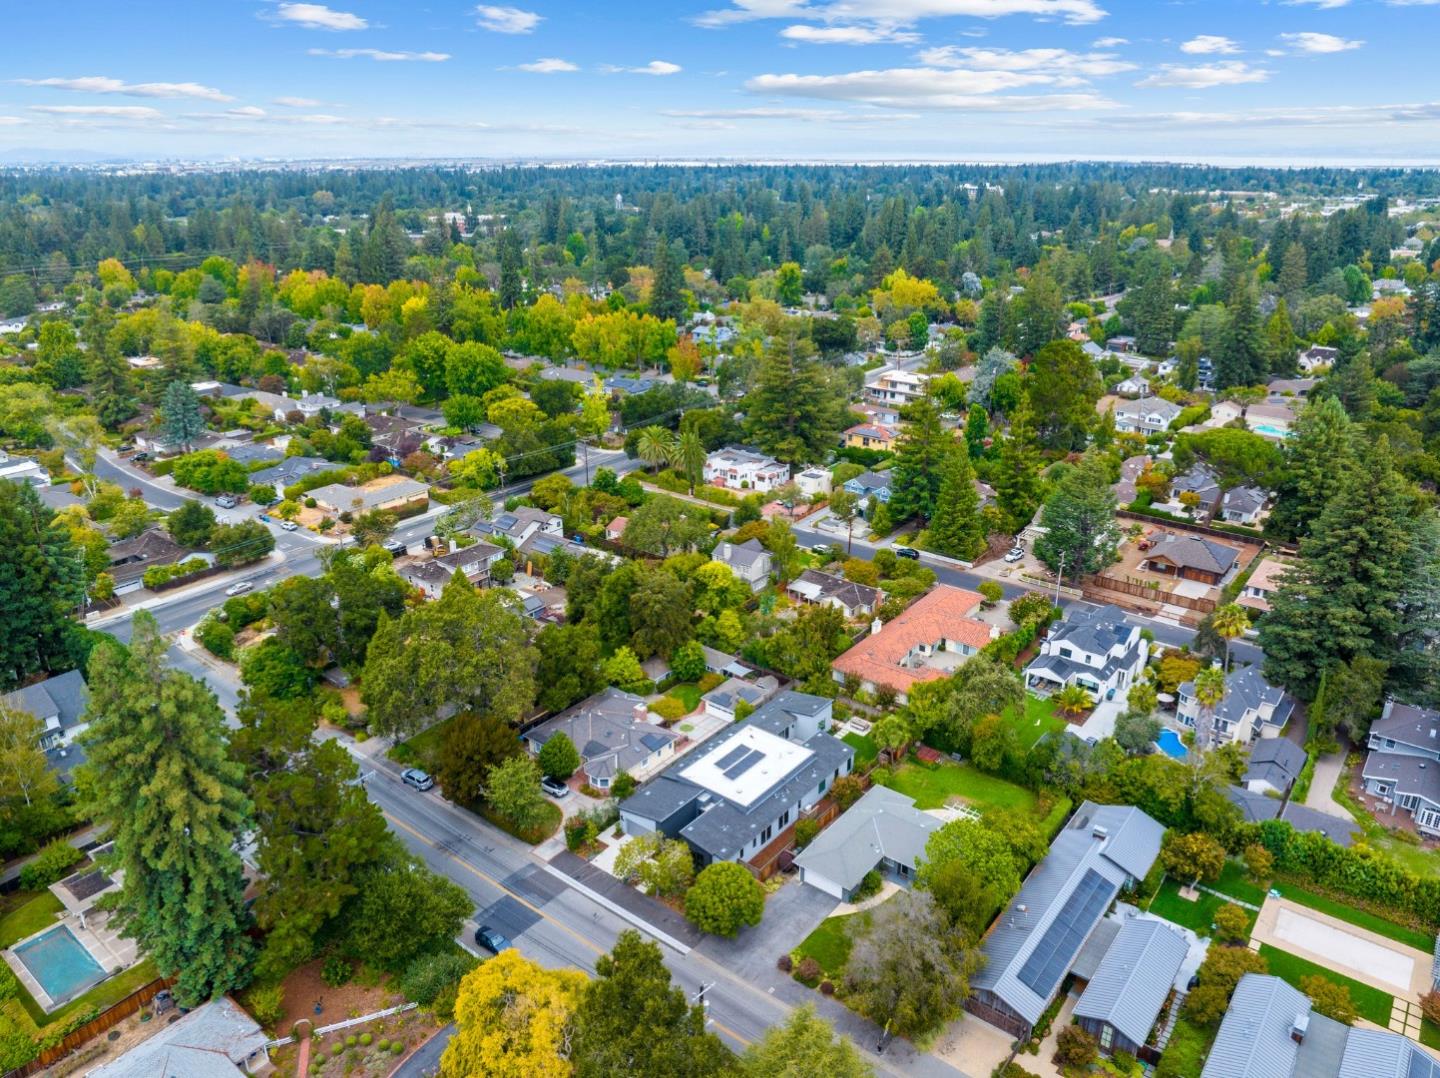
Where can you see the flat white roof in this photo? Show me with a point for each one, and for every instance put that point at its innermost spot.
(747, 766)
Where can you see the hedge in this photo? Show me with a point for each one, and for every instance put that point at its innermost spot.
(162, 574)
(1252, 534)
(50, 865)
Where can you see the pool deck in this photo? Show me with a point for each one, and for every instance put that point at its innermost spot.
(1349, 960)
(104, 943)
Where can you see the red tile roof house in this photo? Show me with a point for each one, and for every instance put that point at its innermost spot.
(930, 640)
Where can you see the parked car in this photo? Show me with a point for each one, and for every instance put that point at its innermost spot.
(491, 940)
(554, 787)
(226, 501)
(396, 548)
(821, 550)
(288, 525)
(141, 456)
(907, 552)
(1014, 554)
(578, 539)
(421, 780)
(240, 587)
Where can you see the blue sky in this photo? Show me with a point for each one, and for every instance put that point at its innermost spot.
(990, 80)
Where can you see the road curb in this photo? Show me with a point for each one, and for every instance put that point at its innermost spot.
(617, 909)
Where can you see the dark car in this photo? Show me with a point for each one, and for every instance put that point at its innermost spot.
(907, 552)
(491, 940)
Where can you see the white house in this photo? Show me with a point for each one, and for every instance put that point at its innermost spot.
(850, 598)
(22, 469)
(1242, 505)
(890, 385)
(739, 468)
(1149, 415)
(749, 561)
(1251, 708)
(1095, 648)
(813, 481)
(1137, 385)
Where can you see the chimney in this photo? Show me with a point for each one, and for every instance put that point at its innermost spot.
(1100, 831)
(642, 713)
(1300, 1027)
(876, 626)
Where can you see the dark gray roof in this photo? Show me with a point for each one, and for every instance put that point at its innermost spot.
(1200, 478)
(846, 592)
(1409, 725)
(1194, 552)
(869, 481)
(1247, 690)
(610, 728)
(1275, 760)
(470, 560)
(743, 554)
(1254, 807)
(1341, 832)
(254, 453)
(62, 697)
(1092, 629)
(1134, 978)
(1375, 1053)
(1093, 953)
(1411, 775)
(1243, 499)
(292, 469)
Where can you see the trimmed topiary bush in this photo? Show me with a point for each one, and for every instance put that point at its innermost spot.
(365, 1040)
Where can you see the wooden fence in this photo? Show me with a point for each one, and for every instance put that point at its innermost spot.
(112, 1016)
(781, 852)
(1102, 582)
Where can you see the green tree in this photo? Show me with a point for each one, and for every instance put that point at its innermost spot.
(1317, 459)
(401, 909)
(373, 527)
(1063, 386)
(181, 408)
(25, 775)
(1081, 535)
(1354, 691)
(1329, 998)
(242, 543)
(192, 524)
(956, 528)
(789, 286)
(1229, 622)
(1135, 732)
(664, 525)
(660, 613)
(1241, 360)
(805, 1044)
(511, 257)
(1037, 315)
(558, 757)
(971, 842)
(1151, 304)
(512, 789)
(690, 457)
(921, 453)
(794, 413)
(162, 782)
(1192, 857)
(632, 1020)
(977, 429)
(655, 446)
(42, 578)
(666, 300)
(688, 662)
(1017, 480)
(568, 668)
(725, 898)
(473, 744)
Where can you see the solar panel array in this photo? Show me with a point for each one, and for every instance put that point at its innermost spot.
(1052, 956)
(737, 753)
(739, 767)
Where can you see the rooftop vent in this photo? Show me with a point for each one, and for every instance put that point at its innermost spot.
(1300, 1027)
(1100, 831)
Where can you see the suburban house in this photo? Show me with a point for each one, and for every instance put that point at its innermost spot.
(1242, 505)
(290, 471)
(255, 453)
(22, 469)
(398, 436)
(145, 363)
(1130, 470)
(615, 530)
(1273, 419)
(1318, 356)
(724, 700)
(1262, 584)
(1259, 807)
(748, 786)
(813, 482)
(312, 404)
(1402, 768)
(1149, 415)
(1223, 413)
(870, 436)
(129, 558)
(870, 487)
(1125, 994)
(613, 732)
(1137, 385)
(890, 385)
(931, 639)
(394, 493)
(58, 703)
(215, 1040)
(1190, 557)
(749, 561)
(1271, 1031)
(431, 575)
(851, 599)
(1275, 763)
(520, 523)
(1122, 345)
(1250, 708)
(1095, 648)
(277, 405)
(624, 385)
(883, 832)
(1036, 939)
(738, 468)
(1292, 387)
(1201, 481)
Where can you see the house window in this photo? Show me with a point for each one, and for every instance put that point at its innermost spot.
(1107, 1036)
(784, 817)
(1065, 652)
(822, 785)
(765, 835)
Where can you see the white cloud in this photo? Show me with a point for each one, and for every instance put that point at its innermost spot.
(1366, 116)
(1206, 76)
(319, 17)
(297, 102)
(899, 12)
(1109, 42)
(12, 121)
(1310, 42)
(654, 67)
(849, 35)
(1323, 5)
(506, 20)
(246, 112)
(1206, 44)
(1049, 61)
(382, 55)
(117, 112)
(929, 87)
(835, 116)
(99, 84)
(549, 65)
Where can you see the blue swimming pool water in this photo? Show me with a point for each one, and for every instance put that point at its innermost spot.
(60, 963)
(1273, 432)
(1171, 745)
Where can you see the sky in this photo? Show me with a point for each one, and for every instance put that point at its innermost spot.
(1226, 81)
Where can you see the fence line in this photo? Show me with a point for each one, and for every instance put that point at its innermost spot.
(346, 1024)
(99, 1024)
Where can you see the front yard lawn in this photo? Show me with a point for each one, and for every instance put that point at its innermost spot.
(865, 748)
(829, 945)
(29, 917)
(688, 692)
(1197, 916)
(1370, 1003)
(931, 785)
(422, 750)
(1411, 937)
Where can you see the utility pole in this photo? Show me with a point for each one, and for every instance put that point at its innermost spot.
(585, 453)
(1059, 575)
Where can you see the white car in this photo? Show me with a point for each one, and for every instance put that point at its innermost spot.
(288, 525)
(239, 588)
(1014, 554)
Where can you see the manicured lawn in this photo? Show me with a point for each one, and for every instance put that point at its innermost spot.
(422, 750)
(931, 785)
(1236, 884)
(1036, 721)
(687, 691)
(28, 918)
(1369, 1002)
(1198, 915)
(1184, 1056)
(829, 945)
(1411, 937)
(1429, 1033)
(865, 748)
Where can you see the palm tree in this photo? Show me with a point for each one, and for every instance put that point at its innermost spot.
(1209, 691)
(1074, 699)
(689, 457)
(654, 446)
(1229, 622)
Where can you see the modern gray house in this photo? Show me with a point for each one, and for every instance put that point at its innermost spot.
(1033, 945)
(883, 830)
(1270, 1031)
(1251, 708)
(1130, 986)
(1095, 648)
(613, 732)
(749, 784)
(1403, 765)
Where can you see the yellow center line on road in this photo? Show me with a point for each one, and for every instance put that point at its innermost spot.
(526, 903)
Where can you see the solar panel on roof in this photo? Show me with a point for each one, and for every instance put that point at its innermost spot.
(733, 756)
(739, 768)
(1052, 956)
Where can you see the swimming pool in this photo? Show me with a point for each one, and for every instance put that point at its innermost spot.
(1269, 431)
(60, 963)
(1170, 744)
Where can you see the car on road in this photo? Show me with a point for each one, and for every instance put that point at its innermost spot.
(421, 780)
(288, 525)
(226, 501)
(1014, 554)
(396, 548)
(554, 787)
(239, 587)
(491, 940)
(821, 550)
(907, 552)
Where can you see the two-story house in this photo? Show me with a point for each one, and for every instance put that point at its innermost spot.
(1148, 415)
(1402, 768)
(871, 488)
(749, 561)
(1250, 708)
(431, 576)
(1095, 648)
(739, 468)
(892, 386)
(870, 436)
(59, 704)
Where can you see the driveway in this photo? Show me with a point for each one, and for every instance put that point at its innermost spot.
(791, 914)
(1328, 771)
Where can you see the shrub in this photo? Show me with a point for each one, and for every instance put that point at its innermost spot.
(725, 898)
(428, 976)
(52, 863)
(846, 790)
(1232, 924)
(669, 708)
(991, 592)
(1030, 608)
(1430, 1005)
(336, 971)
(710, 681)
(397, 1046)
(808, 972)
(805, 832)
(827, 988)
(318, 1060)
(267, 1004)
(1074, 1047)
(216, 637)
(623, 785)
(350, 1041)
(869, 887)
(1329, 998)
(365, 1039)
(785, 964)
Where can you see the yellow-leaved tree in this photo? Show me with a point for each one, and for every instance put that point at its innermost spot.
(512, 1018)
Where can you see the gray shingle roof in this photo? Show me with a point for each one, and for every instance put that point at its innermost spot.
(62, 697)
(612, 726)
(1134, 978)
(206, 1043)
(882, 824)
(1247, 690)
(1409, 725)
(829, 586)
(1275, 760)
(1194, 552)
(743, 555)
(293, 468)
(1244, 500)
(1411, 775)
